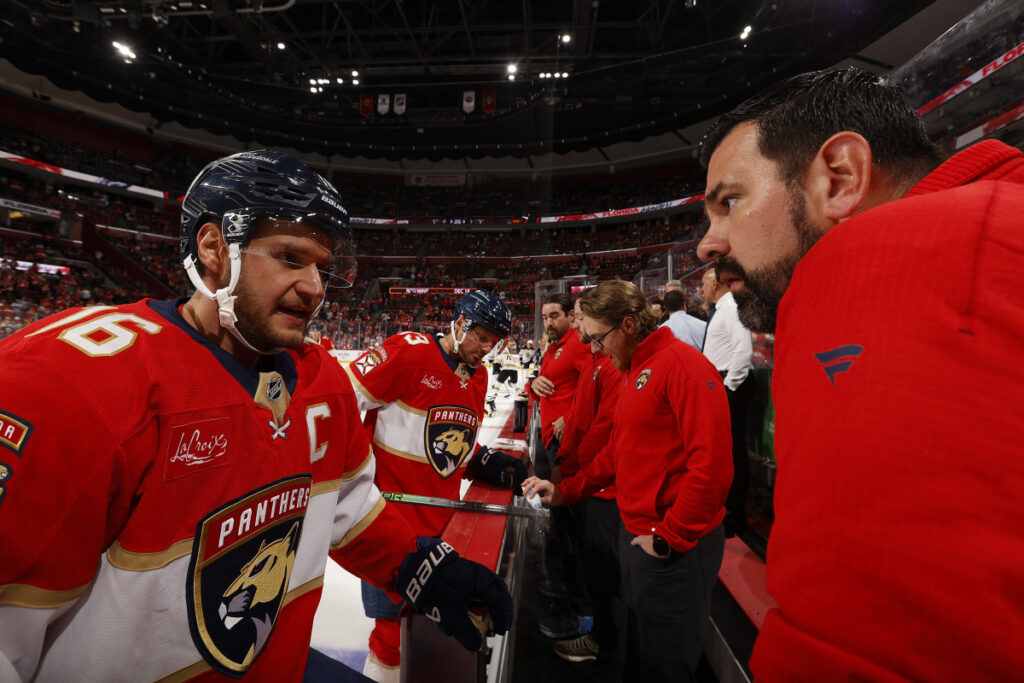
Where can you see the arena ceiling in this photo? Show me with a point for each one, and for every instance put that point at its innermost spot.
(268, 70)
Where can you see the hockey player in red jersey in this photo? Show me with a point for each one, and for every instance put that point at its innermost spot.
(177, 472)
(424, 396)
(317, 336)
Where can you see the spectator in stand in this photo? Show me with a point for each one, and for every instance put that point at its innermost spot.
(895, 436)
(729, 347)
(669, 460)
(683, 325)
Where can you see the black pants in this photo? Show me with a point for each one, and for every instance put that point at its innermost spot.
(668, 603)
(739, 407)
(600, 555)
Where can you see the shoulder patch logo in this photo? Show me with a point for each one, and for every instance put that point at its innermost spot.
(242, 560)
(839, 359)
(5, 472)
(642, 378)
(369, 360)
(449, 436)
(14, 432)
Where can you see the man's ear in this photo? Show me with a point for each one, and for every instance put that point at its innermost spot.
(628, 325)
(212, 252)
(839, 177)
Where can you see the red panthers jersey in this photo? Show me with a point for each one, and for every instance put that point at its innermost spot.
(167, 512)
(423, 414)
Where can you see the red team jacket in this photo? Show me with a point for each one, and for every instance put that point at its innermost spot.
(423, 415)
(589, 425)
(670, 454)
(164, 511)
(897, 549)
(563, 363)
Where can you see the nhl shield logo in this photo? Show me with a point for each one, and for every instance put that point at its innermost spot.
(238, 577)
(449, 435)
(641, 380)
(274, 387)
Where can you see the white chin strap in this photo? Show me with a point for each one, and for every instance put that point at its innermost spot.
(224, 297)
(456, 341)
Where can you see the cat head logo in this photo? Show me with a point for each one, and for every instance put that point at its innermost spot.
(239, 573)
(450, 435)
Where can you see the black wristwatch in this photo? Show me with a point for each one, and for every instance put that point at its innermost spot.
(661, 546)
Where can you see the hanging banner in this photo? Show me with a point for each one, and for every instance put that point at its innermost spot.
(490, 98)
(366, 104)
(383, 104)
(469, 101)
(400, 103)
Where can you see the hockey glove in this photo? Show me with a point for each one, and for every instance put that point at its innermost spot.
(498, 469)
(439, 583)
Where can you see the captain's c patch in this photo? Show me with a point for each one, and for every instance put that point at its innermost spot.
(14, 432)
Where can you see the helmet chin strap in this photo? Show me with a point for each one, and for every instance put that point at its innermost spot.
(465, 332)
(224, 296)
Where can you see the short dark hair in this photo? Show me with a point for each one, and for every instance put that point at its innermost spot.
(674, 301)
(560, 298)
(796, 116)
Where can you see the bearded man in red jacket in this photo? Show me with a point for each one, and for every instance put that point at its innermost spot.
(893, 555)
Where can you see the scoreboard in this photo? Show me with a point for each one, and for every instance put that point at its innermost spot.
(430, 290)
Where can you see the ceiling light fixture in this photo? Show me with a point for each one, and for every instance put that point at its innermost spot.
(124, 50)
(281, 46)
(512, 68)
(746, 32)
(566, 38)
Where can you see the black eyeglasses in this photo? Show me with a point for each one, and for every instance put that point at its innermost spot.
(598, 340)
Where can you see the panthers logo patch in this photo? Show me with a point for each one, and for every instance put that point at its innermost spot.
(369, 360)
(14, 432)
(238, 576)
(450, 434)
(558, 353)
(641, 380)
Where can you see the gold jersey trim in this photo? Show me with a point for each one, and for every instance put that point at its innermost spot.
(361, 526)
(142, 562)
(400, 454)
(409, 409)
(23, 595)
(324, 487)
(352, 474)
(360, 388)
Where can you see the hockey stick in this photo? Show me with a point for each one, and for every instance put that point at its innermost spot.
(466, 505)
